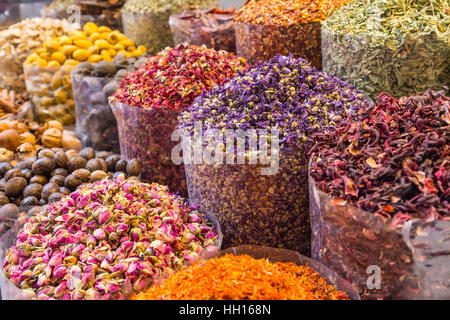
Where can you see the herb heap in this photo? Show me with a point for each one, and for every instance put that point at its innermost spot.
(149, 101)
(400, 47)
(389, 166)
(147, 22)
(106, 241)
(243, 278)
(213, 28)
(267, 27)
(286, 94)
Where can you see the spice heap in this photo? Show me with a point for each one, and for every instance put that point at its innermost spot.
(388, 166)
(92, 85)
(267, 27)
(292, 97)
(48, 70)
(106, 241)
(149, 101)
(213, 28)
(243, 278)
(147, 22)
(15, 105)
(19, 41)
(382, 46)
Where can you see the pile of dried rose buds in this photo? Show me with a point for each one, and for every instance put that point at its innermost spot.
(106, 241)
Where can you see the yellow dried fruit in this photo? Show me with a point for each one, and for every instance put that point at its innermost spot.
(53, 63)
(52, 45)
(65, 40)
(95, 36)
(52, 138)
(83, 43)
(81, 54)
(102, 44)
(55, 124)
(33, 58)
(90, 28)
(68, 50)
(95, 58)
(113, 38)
(60, 96)
(142, 49)
(4, 125)
(71, 143)
(119, 47)
(9, 139)
(58, 56)
(104, 29)
(127, 43)
(71, 62)
(42, 62)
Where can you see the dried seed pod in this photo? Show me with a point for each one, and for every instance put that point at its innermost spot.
(12, 174)
(72, 182)
(4, 166)
(8, 211)
(45, 153)
(27, 173)
(97, 164)
(43, 166)
(34, 189)
(71, 153)
(82, 174)
(42, 180)
(76, 163)
(87, 153)
(3, 199)
(48, 189)
(15, 186)
(59, 180)
(103, 154)
(98, 175)
(121, 165)
(64, 190)
(60, 172)
(56, 196)
(30, 161)
(61, 159)
(133, 167)
(111, 162)
(29, 201)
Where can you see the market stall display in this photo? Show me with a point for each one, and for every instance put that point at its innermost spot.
(102, 12)
(265, 28)
(147, 22)
(47, 71)
(19, 41)
(149, 101)
(389, 46)
(253, 273)
(105, 241)
(92, 85)
(289, 96)
(213, 28)
(379, 197)
(58, 8)
(15, 105)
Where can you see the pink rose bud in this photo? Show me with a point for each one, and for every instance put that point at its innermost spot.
(122, 228)
(210, 235)
(112, 288)
(136, 234)
(104, 216)
(60, 271)
(92, 294)
(211, 250)
(99, 234)
(91, 241)
(60, 289)
(194, 218)
(56, 259)
(87, 279)
(42, 280)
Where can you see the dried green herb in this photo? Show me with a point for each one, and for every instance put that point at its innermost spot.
(401, 47)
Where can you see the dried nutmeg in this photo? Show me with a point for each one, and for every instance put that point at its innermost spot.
(15, 186)
(59, 180)
(21, 165)
(111, 162)
(82, 174)
(71, 143)
(43, 166)
(121, 165)
(87, 153)
(29, 201)
(8, 211)
(4, 166)
(34, 189)
(71, 153)
(45, 153)
(39, 179)
(98, 175)
(48, 189)
(3, 199)
(27, 173)
(76, 163)
(97, 164)
(61, 159)
(133, 167)
(72, 182)
(2, 184)
(60, 172)
(30, 161)
(65, 191)
(52, 138)
(12, 174)
(103, 154)
(56, 196)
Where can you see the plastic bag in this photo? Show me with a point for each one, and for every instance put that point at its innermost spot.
(420, 63)
(253, 208)
(96, 125)
(414, 258)
(257, 43)
(32, 9)
(145, 134)
(50, 89)
(213, 28)
(149, 29)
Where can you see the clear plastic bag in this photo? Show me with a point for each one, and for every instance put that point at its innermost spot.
(213, 28)
(50, 89)
(419, 64)
(96, 125)
(145, 134)
(256, 209)
(32, 9)
(284, 255)
(413, 258)
(257, 43)
(149, 29)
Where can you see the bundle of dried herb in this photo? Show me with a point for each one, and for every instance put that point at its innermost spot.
(400, 47)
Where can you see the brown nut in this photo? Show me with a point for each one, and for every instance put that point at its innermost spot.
(48, 189)
(87, 153)
(34, 190)
(121, 165)
(55, 196)
(111, 162)
(82, 174)
(42, 180)
(52, 138)
(72, 182)
(133, 168)
(64, 190)
(29, 201)
(15, 186)
(3, 199)
(12, 174)
(61, 159)
(71, 153)
(4, 166)
(60, 172)
(98, 175)
(9, 139)
(27, 173)
(59, 180)
(103, 154)
(71, 143)
(55, 125)
(97, 164)
(45, 153)
(76, 163)
(43, 166)
(8, 211)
